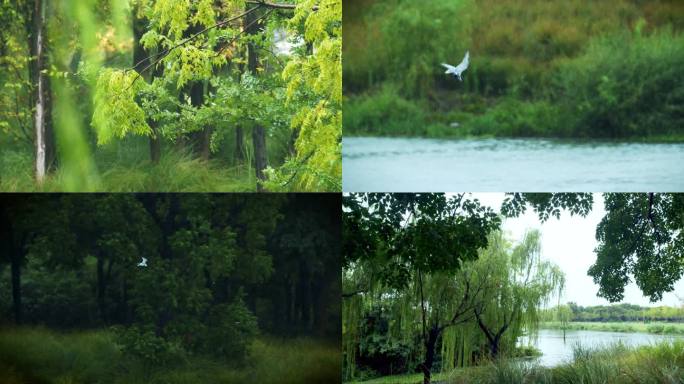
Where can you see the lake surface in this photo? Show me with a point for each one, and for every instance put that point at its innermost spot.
(497, 165)
(556, 351)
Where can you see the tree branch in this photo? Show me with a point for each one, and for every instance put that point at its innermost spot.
(277, 5)
(166, 52)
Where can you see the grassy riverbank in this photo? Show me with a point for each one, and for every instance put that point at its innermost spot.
(552, 69)
(627, 326)
(37, 356)
(618, 364)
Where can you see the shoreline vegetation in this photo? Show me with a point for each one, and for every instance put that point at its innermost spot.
(660, 363)
(534, 72)
(39, 355)
(660, 328)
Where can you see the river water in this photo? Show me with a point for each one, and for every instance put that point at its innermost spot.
(555, 350)
(521, 165)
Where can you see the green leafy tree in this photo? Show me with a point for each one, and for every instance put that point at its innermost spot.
(640, 236)
(409, 242)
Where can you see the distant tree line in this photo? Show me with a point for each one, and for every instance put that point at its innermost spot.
(621, 312)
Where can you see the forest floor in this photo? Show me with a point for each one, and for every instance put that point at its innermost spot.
(617, 364)
(623, 326)
(39, 355)
(126, 167)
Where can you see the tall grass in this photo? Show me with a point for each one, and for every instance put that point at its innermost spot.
(38, 355)
(125, 167)
(614, 364)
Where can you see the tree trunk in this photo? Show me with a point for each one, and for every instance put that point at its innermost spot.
(140, 60)
(155, 144)
(259, 132)
(101, 289)
(200, 139)
(239, 145)
(430, 344)
(44, 135)
(493, 339)
(16, 286)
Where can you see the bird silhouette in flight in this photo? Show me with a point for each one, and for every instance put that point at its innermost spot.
(459, 69)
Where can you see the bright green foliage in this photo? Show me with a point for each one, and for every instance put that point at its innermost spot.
(191, 79)
(115, 112)
(315, 86)
(517, 283)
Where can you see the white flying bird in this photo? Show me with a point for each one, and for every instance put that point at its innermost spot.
(458, 70)
(143, 263)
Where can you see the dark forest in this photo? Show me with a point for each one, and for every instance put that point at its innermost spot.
(170, 288)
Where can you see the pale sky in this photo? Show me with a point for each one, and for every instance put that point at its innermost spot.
(569, 242)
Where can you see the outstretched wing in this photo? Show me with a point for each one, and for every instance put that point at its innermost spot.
(464, 64)
(450, 68)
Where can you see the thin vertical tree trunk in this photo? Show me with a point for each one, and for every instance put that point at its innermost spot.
(101, 288)
(239, 145)
(140, 58)
(259, 132)
(16, 286)
(44, 137)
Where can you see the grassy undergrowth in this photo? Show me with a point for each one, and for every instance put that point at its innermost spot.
(627, 326)
(127, 169)
(616, 364)
(37, 356)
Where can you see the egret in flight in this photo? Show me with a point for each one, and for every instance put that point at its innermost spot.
(459, 69)
(143, 263)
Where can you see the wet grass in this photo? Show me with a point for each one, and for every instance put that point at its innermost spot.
(616, 364)
(126, 168)
(38, 356)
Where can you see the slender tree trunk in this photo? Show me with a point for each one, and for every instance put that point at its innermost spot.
(16, 286)
(259, 132)
(44, 136)
(101, 288)
(200, 139)
(140, 58)
(239, 145)
(430, 345)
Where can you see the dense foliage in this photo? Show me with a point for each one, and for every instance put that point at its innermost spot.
(250, 89)
(537, 69)
(430, 284)
(173, 276)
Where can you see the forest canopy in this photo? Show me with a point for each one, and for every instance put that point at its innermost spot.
(164, 95)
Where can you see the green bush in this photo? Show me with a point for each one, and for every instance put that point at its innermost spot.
(514, 118)
(383, 113)
(626, 85)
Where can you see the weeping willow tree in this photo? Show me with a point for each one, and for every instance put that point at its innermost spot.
(463, 306)
(518, 283)
(404, 252)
